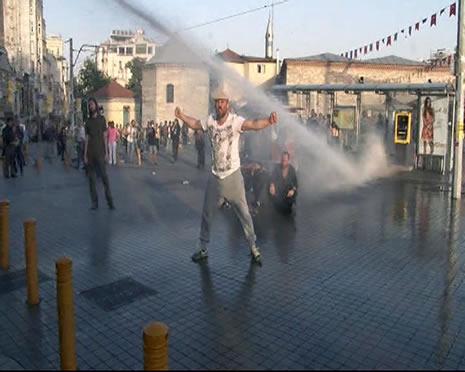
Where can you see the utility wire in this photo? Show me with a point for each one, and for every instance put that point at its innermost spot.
(236, 15)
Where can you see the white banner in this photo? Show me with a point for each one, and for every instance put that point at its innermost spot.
(434, 120)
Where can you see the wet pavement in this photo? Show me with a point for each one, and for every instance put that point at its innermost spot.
(366, 279)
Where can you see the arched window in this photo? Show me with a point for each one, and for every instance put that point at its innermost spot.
(170, 93)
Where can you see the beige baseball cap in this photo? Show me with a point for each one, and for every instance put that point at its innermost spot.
(220, 94)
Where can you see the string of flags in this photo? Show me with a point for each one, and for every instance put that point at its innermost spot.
(388, 40)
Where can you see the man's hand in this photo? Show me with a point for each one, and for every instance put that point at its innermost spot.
(273, 118)
(178, 113)
(272, 190)
(290, 193)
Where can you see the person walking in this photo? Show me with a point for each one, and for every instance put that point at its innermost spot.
(96, 153)
(175, 135)
(112, 136)
(9, 148)
(225, 182)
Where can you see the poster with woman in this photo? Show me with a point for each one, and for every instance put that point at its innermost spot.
(433, 126)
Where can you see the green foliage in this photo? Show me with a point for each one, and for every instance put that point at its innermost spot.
(135, 83)
(90, 79)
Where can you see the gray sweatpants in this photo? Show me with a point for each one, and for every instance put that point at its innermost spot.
(232, 189)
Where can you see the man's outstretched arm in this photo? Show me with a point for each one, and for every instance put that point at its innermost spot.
(259, 124)
(191, 122)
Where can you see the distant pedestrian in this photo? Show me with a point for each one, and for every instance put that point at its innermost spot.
(9, 148)
(175, 136)
(112, 137)
(96, 153)
(283, 187)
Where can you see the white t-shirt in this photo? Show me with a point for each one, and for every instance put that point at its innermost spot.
(225, 144)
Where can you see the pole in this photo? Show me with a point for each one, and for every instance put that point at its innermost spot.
(71, 82)
(65, 314)
(459, 110)
(155, 337)
(30, 247)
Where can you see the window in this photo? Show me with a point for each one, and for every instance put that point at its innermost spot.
(121, 50)
(141, 48)
(170, 93)
(129, 51)
(113, 50)
(150, 50)
(261, 68)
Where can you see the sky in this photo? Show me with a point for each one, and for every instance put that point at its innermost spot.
(301, 27)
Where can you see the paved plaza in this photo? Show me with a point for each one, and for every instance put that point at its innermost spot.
(371, 278)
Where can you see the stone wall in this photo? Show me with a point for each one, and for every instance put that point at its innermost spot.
(315, 72)
(191, 91)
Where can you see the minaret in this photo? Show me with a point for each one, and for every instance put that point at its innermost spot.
(269, 38)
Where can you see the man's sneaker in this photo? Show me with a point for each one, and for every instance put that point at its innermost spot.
(255, 254)
(201, 254)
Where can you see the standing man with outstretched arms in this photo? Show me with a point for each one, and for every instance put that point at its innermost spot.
(225, 182)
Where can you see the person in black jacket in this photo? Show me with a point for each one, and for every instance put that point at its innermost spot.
(175, 134)
(283, 186)
(9, 148)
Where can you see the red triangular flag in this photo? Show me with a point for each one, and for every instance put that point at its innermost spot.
(377, 45)
(388, 41)
(449, 59)
(347, 53)
(365, 49)
(355, 53)
(417, 26)
(433, 20)
(453, 9)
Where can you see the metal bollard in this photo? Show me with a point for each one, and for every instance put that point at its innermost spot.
(155, 347)
(65, 314)
(37, 163)
(139, 159)
(30, 248)
(4, 239)
(67, 159)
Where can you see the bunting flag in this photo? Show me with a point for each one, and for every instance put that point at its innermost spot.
(388, 40)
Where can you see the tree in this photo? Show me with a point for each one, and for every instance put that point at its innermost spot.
(90, 79)
(135, 83)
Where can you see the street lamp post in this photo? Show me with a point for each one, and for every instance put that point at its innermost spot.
(459, 70)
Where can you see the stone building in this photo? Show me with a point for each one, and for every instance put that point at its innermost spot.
(333, 69)
(22, 34)
(174, 78)
(121, 48)
(118, 103)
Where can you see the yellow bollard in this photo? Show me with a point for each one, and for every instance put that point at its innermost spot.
(4, 239)
(155, 347)
(26, 152)
(30, 247)
(139, 159)
(67, 159)
(37, 163)
(65, 314)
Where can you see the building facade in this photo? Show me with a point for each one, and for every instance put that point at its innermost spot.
(332, 69)
(173, 78)
(122, 46)
(117, 102)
